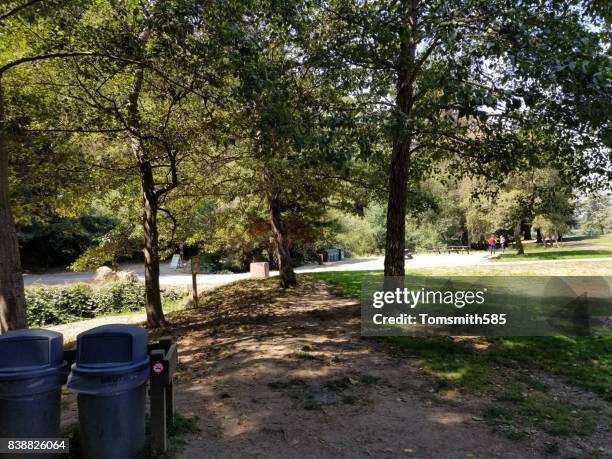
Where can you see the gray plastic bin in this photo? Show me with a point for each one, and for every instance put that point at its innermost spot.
(110, 376)
(32, 371)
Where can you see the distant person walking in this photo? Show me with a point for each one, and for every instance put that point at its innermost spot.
(502, 243)
(492, 244)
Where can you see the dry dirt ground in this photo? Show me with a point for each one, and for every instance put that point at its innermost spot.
(286, 374)
(273, 374)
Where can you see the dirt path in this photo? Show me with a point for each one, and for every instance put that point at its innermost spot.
(287, 375)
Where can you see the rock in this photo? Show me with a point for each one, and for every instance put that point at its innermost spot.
(103, 275)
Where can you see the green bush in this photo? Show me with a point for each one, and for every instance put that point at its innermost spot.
(120, 297)
(58, 305)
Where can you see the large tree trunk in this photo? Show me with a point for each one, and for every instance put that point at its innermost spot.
(517, 240)
(527, 232)
(396, 210)
(279, 232)
(539, 235)
(153, 303)
(12, 304)
(395, 243)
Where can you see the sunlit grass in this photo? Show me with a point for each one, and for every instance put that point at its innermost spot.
(553, 253)
(584, 361)
(571, 248)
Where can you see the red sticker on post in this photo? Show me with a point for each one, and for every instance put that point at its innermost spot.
(158, 368)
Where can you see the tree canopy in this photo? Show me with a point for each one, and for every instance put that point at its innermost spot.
(260, 130)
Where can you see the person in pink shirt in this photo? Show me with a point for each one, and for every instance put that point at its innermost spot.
(492, 244)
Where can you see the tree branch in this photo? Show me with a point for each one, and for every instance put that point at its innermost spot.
(174, 225)
(17, 9)
(40, 57)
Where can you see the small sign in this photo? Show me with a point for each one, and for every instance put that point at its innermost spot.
(158, 368)
(195, 264)
(174, 263)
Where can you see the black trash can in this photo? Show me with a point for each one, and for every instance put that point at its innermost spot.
(32, 371)
(110, 376)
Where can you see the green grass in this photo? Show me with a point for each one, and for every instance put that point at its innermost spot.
(584, 361)
(604, 240)
(571, 248)
(501, 368)
(553, 253)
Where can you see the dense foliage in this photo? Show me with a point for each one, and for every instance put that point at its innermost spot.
(60, 241)
(260, 129)
(57, 305)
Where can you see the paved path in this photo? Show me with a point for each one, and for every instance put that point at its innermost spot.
(172, 277)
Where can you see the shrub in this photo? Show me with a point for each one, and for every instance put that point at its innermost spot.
(57, 305)
(119, 297)
(172, 294)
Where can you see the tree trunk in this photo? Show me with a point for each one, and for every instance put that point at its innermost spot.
(395, 242)
(517, 241)
(538, 235)
(465, 237)
(279, 231)
(12, 303)
(396, 210)
(153, 304)
(527, 232)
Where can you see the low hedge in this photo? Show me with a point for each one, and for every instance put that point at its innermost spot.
(58, 305)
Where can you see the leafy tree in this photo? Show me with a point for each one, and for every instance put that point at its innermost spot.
(149, 106)
(552, 227)
(511, 210)
(473, 83)
(30, 34)
(597, 214)
(290, 122)
(479, 223)
(361, 235)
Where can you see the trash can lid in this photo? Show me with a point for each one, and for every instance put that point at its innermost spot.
(111, 349)
(30, 353)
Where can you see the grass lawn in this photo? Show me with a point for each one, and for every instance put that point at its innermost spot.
(507, 369)
(553, 253)
(573, 248)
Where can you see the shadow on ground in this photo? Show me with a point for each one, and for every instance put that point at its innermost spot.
(286, 374)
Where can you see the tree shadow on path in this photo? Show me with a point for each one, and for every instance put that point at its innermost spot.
(274, 373)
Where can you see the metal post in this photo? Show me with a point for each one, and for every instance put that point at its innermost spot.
(164, 360)
(167, 343)
(195, 269)
(159, 428)
(170, 405)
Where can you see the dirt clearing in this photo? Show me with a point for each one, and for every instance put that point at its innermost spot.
(286, 374)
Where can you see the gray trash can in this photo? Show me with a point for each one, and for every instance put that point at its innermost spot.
(110, 376)
(32, 371)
